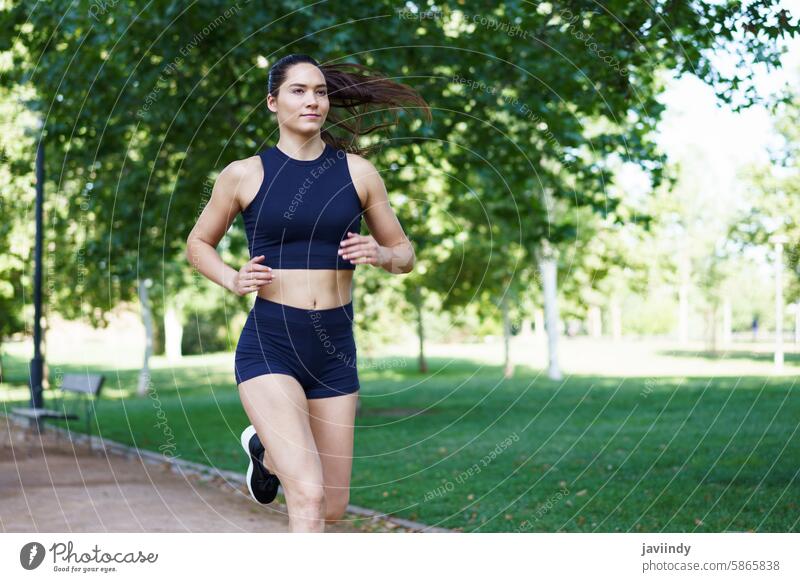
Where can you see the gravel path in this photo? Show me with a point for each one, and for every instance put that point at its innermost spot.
(51, 484)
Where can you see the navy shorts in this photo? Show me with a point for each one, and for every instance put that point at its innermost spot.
(316, 346)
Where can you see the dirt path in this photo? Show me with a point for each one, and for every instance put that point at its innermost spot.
(49, 484)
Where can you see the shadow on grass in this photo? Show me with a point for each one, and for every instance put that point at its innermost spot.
(631, 454)
(789, 357)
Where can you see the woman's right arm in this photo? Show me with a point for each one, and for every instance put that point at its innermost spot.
(201, 245)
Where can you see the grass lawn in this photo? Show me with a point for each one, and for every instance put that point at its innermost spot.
(463, 448)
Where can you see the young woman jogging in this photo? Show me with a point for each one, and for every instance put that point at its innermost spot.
(302, 201)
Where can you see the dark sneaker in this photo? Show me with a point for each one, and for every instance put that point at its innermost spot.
(262, 484)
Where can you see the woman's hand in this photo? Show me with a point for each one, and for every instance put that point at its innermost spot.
(252, 276)
(362, 249)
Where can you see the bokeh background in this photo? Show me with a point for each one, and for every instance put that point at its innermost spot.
(602, 329)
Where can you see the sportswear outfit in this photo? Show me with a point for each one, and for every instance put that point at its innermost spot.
(302, 211)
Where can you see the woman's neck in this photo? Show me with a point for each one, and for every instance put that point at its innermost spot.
(301, 148)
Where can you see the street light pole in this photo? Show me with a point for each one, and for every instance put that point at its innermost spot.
(37, 363)
(779, 241)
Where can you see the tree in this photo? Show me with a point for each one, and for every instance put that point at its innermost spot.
(143, 104)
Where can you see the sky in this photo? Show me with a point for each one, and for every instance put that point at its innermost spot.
(714, 143)
(728, 140)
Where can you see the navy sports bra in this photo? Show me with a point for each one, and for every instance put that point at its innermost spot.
(302, 211)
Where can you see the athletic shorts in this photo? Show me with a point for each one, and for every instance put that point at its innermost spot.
(315, 346)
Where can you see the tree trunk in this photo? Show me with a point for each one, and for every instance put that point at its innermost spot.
(712, 329)
(549, 284)
(797, 323)
(683, 303)
(147, 320)
(423, 364)
(595, 323)
(173, 332)
(508, 368)
(727, 322)
(616, 319)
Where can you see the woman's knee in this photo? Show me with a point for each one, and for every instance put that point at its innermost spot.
(336, 506)
(304, 494)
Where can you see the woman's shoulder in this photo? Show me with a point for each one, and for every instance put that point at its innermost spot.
(239, 169)
(243, 178)
(360, 167)
(365, 176)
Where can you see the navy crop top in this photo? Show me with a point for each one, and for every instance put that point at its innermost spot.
(302, 211)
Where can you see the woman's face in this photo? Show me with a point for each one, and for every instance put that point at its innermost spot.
(302, 103)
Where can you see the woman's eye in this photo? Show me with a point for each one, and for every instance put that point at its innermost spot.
(322, 92)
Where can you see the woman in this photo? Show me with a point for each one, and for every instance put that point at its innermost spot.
(302, 202)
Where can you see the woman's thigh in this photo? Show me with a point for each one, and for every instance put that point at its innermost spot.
(331, 421)
(277, 406)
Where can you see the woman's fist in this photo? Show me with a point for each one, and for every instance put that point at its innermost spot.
(252, 276)
(362, 250)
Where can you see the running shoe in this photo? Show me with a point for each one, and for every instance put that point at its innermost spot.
(262, 484)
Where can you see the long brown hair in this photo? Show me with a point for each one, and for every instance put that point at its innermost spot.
(356, 89)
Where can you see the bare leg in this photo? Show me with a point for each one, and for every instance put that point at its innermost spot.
(276, 405)
(332, 422)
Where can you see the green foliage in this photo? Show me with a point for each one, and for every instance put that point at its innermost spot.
(653, 314)
(774, 206)
(206, 331)
(143, 105)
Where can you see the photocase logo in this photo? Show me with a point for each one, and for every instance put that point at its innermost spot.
(31, 555)
(66, 559)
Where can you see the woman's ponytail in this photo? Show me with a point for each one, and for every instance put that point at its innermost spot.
(358, 91)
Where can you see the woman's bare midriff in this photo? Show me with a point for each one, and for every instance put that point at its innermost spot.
(309, 288)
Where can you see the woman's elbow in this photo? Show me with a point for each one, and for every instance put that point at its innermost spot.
(191, 253)
(412, 261)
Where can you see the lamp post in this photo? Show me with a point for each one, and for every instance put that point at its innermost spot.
(779, 241)
(37, 362)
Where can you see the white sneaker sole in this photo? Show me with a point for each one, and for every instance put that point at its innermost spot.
(247, 434)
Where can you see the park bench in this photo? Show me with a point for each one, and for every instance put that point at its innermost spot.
(87, 385)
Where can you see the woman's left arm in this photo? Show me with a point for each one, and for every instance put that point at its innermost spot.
(388, 246)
